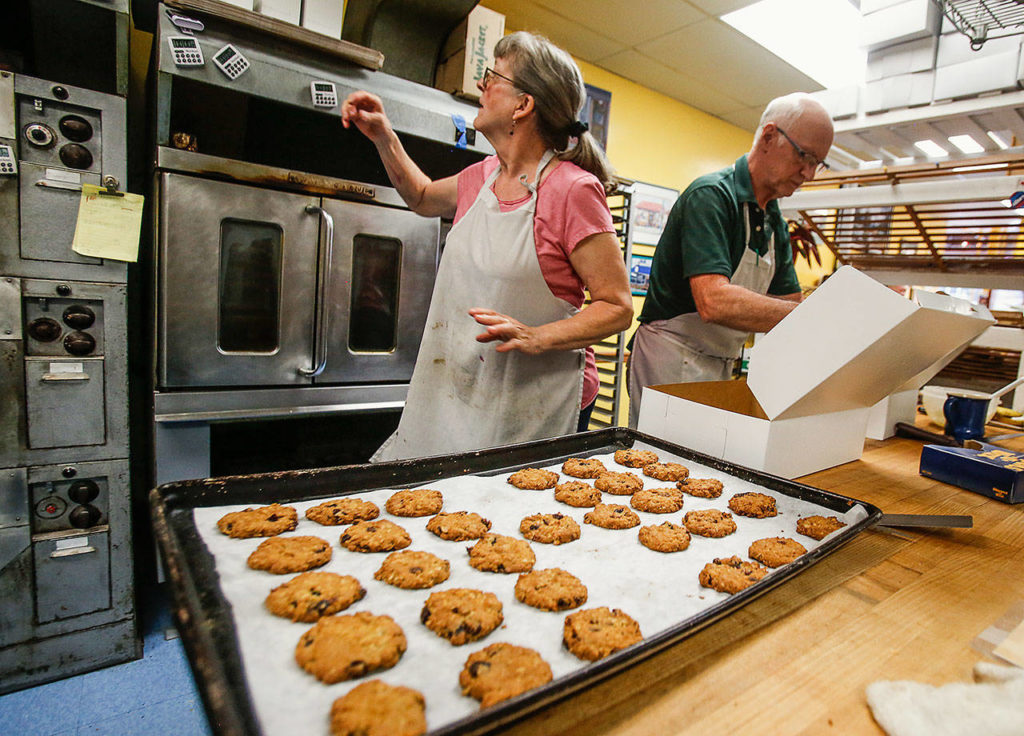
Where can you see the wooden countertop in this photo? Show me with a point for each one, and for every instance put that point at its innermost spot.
(797, 660)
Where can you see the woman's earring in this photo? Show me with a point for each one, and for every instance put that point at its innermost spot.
(513, 130)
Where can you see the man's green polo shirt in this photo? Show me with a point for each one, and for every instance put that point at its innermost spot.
(705, 233)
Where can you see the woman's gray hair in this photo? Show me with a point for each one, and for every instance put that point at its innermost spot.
(551, 77)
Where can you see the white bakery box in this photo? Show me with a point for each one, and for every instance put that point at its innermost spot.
(814, 378)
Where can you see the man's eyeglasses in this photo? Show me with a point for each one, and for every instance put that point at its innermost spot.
(808, 159)
(490, 74)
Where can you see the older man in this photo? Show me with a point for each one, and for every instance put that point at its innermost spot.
(723, 267)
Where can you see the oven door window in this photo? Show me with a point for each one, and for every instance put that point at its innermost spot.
(376, 267)
(249, 307)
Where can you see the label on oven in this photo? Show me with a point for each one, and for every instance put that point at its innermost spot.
(70, 177)
(67, 368)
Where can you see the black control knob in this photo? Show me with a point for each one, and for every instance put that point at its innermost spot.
(83, 491)
(68, 472)
(39, 135)
(82, 517)
(44, 329)
(79, 343)
(75, 128)
(75, 156)
(63, 289)
(60, 93)
(79, 316)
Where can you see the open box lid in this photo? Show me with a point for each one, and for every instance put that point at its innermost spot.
(853, 342)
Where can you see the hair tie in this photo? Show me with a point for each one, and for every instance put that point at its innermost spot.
(577, 128)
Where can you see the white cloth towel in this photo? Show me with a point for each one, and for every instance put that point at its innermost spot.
(992, 705)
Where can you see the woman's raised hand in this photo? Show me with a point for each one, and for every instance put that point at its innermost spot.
(367, 112)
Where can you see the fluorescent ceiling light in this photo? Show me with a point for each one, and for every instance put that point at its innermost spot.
(904, 161)
(998, 139)
(876, 164)
(819, 37)
(931, 148)
(966, 144)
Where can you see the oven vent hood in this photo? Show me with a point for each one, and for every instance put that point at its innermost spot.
(410, 33)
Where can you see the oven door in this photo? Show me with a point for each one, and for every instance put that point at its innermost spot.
(382, 275)
(237, 284)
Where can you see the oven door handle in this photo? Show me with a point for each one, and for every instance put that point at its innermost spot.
(322, 285)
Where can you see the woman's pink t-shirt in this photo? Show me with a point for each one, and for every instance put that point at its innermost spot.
(571, 206)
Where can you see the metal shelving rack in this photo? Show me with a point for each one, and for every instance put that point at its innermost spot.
(611, 352)
(982, 20)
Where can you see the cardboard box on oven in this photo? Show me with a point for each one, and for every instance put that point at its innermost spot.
(468, 51)
(814, 378)
(979, 467)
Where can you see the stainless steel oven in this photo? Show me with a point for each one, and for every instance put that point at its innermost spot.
(262, 287)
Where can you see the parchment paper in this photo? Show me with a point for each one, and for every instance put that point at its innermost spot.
(657, 589)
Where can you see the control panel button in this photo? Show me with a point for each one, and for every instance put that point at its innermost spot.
(75, 128)
(75, 156)
(79, 317)
(83, 517)
(44, 329)
(79, 343)
(83, 491)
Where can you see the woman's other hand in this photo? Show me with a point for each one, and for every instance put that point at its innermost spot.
(512, 333)
(367, 112)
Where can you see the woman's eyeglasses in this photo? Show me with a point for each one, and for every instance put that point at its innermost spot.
(489, 76)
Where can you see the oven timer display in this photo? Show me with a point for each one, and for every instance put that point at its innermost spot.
(186, 51)
(230, 61)
(324, 94)
(7, 165)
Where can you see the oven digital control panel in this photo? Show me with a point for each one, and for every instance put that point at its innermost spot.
(186, 51)
(324, 94)
(8, 167)
(230, 61)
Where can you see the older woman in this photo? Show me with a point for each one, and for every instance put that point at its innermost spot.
(532, 231)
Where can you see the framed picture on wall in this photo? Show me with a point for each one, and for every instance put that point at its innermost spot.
(639, 274)
(649, 208)
(595, 113)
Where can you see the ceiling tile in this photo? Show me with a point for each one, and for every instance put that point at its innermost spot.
(651, 74)
(746, 118)
(578, 40)
(620, 17)
(719, 8)
(726, 59)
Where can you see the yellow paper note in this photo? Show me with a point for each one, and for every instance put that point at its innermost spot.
(108, 225)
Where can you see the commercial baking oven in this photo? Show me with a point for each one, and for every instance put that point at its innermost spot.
(262, 287)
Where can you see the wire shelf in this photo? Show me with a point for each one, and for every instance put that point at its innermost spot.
(983, 20)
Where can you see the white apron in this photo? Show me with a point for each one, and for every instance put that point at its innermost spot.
(686, 348)
(464, 395)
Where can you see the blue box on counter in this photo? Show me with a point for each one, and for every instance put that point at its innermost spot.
(979, 467)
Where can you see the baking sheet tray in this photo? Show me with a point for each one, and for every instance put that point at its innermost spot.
(242, 657)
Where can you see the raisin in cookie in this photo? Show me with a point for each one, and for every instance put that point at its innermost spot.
(611, 516)
(419, 502)
(550, 528)
(577, 493)
(343, 647)
(619, 484)
(754, 505)
(818, 527)
(709, 523)
(584, 467)
(282, 555)
(635, 458)
(266, 521)
(458, 526)
(462, 615)
(553, 589)
(667, 537)
(412, 570)
(502, 671)
(312, 595)
(667, 471)
(379, 535)
(731, 574)
(776, 551)
(597, 632)
(497, 553)
(342, 511)
(533, 479)
(375, 708)
(701, 487)
(657, 500)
